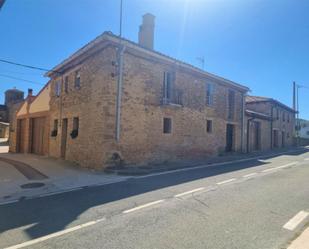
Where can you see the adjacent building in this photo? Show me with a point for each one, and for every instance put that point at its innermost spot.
(270, 124)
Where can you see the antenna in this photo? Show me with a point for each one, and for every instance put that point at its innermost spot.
(201, 60)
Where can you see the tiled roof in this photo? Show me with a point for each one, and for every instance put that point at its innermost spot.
(256, 99)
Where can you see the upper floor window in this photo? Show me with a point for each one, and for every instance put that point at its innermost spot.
(66, 84)
(77, 79)
(283, 116)
(209, 94)
(58, 88)
(277, 115)
(231, 104)
(167, 86)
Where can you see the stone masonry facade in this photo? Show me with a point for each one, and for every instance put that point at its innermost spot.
(143, 111)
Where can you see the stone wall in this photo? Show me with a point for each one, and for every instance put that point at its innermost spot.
(142, 139)
(284, 125)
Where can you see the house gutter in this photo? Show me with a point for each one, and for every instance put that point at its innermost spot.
(119, 91)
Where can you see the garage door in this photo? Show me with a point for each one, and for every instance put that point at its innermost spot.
(38, 127)
(22, 146)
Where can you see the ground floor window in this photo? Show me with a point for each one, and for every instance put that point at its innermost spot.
(167, 125)
(209, 126)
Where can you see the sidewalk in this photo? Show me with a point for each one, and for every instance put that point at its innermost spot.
(302, 242)
(183, 164)
(27, 175)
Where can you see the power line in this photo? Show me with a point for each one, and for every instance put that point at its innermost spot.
(15, 78)
(28, 66)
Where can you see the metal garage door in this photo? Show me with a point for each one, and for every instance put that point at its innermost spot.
(37, 141)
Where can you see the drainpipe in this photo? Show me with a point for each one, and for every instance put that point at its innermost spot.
(119, 91)
(248, 132)
(242, 123)
(271, 127)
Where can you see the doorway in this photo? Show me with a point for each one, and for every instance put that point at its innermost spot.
(229, 138)
(283, 139)
(64, 132)
(276, 139)
(37, 139)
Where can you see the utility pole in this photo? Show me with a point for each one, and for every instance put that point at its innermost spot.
(121, 50)
(294, 97)
(1, 3)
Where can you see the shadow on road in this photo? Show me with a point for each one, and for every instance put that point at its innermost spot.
(51, 214)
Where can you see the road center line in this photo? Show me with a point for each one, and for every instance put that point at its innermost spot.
(226, 181)
(53, 235)
(286, 165)
(267, 170)
(142, 206)
(296, 220)
(249, 175)
(189, 192)
(306, 159)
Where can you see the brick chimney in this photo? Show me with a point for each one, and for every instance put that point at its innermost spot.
(30, 92)
(146, 31)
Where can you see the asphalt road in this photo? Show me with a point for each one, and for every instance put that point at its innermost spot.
(238, 205)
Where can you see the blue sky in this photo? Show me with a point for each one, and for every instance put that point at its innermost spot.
(263, 44)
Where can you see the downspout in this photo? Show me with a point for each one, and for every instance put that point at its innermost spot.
(271, 127)
(248, 133)
(242, 123)
(119, 91)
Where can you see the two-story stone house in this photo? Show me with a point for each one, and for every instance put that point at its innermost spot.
(118, 101)
(270, 123)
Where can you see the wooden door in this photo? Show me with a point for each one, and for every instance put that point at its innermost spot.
(37, 139)
(21, 136)
(229, 137)
(64, 132)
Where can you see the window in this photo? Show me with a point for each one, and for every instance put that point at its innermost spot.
(209, 126)
(167, 125)
(231, 104)
(288, 135)
(77, 79)
(283, 116)
(58, 88)
(209, 94)
(167, 86)
(277, 113)
(288, 117)
(66, 84)
(307, 133)
(74, 132)
(55, 128)
(75, 123)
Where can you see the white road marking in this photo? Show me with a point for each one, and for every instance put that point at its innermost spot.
(287, 165)
(280, 167)
(267, 170)
(306, 159)
(189, 192)
(249, 175)
(142, 206)
(8, 202)
(53, 235)
(296, 220)
(226, 181)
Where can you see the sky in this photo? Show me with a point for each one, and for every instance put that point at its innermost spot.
(263, 44)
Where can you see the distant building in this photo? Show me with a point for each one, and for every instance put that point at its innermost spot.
(270, 124)
(303, 128)
(13, 99)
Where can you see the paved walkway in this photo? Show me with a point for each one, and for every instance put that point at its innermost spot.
(16, 170)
